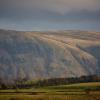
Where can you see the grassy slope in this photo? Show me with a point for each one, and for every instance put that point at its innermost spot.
(90, 84)
(59, 54)
(55, 93)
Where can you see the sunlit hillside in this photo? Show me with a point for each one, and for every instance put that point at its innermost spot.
(34, 55)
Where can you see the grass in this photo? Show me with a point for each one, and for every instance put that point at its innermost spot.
(61, 92)
(49, 97)
(77, 87)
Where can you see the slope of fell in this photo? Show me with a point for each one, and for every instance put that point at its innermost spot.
(48, 54)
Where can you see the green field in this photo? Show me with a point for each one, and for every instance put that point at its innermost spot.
(82, 91)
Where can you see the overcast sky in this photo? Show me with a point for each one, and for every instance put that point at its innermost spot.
(50, 14)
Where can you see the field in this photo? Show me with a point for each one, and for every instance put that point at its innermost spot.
(82, 91)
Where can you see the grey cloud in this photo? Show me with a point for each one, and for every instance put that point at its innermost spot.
(51, 11)
(59, 6)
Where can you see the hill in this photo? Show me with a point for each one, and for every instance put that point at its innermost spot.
(33, 55)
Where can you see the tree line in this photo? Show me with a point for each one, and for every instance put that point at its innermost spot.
(25, 83)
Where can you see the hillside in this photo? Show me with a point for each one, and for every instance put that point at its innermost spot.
(34, 55)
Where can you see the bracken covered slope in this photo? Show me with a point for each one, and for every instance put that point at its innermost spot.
(34, 55)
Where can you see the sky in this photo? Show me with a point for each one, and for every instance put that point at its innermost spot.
(43, 15)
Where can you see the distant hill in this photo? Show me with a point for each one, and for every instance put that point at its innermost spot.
(33, 55)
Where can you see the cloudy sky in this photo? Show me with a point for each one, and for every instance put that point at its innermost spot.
(50, 14)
